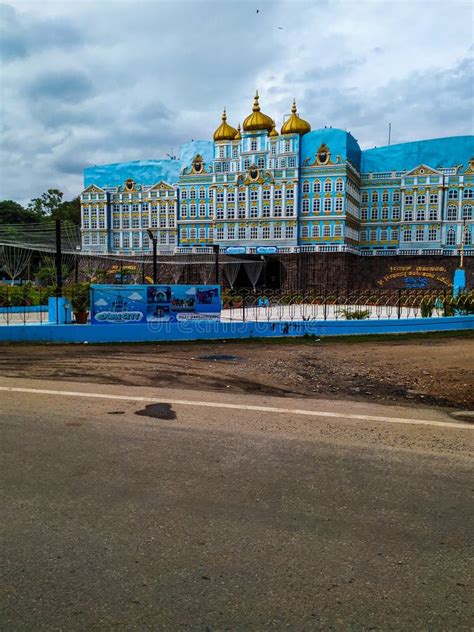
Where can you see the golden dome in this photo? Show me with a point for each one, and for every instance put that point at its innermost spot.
(273, 131)
(295, 124)
(224, 131)
(238, 135)
(257, 120)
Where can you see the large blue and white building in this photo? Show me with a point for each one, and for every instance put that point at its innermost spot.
(256, 190)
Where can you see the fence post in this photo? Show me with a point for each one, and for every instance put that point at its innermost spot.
(59, 276)
(243, 306)
(325, 305)
(399, 306)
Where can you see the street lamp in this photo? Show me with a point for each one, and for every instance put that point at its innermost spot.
(215, 247)
(154, 241)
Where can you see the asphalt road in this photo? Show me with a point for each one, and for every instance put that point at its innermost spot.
(221, 512)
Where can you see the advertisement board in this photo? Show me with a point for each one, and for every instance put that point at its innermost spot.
(111, 304)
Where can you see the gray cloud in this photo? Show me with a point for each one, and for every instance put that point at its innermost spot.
(68, 86)
(22, 35)
(91, 82)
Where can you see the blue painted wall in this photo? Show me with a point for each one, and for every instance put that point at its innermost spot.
(340, 142)
(142, 171)
(27, 309)
(436, 152)
(189, 150)
(158, 332)
(148, 172)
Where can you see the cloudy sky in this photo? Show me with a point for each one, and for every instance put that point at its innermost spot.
(92, 81)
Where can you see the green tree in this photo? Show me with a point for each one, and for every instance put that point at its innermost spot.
(69, 211)
(13, 213)
(47, 204)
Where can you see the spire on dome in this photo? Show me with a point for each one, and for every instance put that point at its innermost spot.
(224, 131)
(257, 121)
(295, 124)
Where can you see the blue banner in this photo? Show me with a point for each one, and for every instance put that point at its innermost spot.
(111, 304)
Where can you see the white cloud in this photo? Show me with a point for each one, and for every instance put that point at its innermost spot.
(135, 296)
(101, 302)
(78, 89)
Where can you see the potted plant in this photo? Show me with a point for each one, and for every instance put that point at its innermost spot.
(80, 302)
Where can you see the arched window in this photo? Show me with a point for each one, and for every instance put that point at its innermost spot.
(468, 237)
(339, 186)
(452, 213)
(328, 186)
(468, 194)
(452, 194)
(317, 186)
(451, 237)
(306, 187)
(467, 212)
(375, 197)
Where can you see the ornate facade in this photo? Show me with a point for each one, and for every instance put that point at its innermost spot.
(254, 190)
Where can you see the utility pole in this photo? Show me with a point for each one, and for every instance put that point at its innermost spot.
(461, 263)
(215, 247)
(154, 241)
(59, 276)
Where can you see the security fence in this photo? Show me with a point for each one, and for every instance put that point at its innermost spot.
(335, 304)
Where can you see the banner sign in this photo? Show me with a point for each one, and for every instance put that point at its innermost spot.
(123, 304)
(411, 276)
(267, 250)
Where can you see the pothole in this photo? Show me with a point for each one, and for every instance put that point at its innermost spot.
(157, 411)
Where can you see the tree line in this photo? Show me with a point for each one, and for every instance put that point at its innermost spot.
(49, 206)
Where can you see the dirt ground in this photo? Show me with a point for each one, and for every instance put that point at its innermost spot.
(429, 370)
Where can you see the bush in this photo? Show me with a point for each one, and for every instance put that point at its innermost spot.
(79, 295)
(24, 295)
(427, 306)
(357, 314)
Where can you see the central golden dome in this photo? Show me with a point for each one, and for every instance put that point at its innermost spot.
(257, 120)
(225, 131)
(295, 124)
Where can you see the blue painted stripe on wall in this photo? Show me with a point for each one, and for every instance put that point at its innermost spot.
(22, 310)
(157, 332)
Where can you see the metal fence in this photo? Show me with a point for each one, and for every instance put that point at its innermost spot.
(29, 304)
(339, 303)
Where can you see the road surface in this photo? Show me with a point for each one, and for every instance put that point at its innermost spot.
(139, 508)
